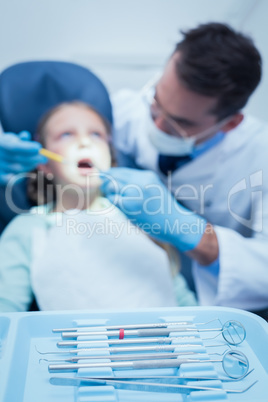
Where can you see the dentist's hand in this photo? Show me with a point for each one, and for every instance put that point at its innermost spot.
(146, 201)
(18, 154)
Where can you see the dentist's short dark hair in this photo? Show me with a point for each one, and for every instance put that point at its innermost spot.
(217, 61)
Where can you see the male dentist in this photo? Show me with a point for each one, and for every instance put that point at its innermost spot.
(205, 184)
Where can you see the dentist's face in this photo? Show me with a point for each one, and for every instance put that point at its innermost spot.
(80, 136)
(189, 110)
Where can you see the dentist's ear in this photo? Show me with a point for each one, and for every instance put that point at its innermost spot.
(234, 121)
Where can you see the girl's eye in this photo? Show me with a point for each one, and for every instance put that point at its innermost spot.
(65, 134)
(96, 134)
(99, 135)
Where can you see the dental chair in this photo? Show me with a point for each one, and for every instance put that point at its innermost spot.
(30, 89)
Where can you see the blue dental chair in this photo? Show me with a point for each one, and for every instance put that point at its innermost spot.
(30, 89)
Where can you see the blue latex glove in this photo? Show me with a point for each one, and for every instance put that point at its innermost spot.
(18, 154)
(144, 199)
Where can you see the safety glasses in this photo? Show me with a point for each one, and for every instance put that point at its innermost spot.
(172, 127)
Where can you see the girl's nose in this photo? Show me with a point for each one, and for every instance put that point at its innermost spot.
(85, 140)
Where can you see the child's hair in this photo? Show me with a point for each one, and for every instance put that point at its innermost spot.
(40, 187)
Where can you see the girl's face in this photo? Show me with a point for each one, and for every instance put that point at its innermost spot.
(80, 136)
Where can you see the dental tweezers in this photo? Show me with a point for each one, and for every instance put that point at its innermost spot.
(140, 386)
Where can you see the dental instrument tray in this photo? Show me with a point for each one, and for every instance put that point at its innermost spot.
(168, 354)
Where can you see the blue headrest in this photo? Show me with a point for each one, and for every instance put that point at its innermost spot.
(28, 90)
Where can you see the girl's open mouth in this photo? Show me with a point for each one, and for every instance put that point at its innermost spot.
(85, 166)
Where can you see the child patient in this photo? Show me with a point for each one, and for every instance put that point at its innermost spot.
(77, 251)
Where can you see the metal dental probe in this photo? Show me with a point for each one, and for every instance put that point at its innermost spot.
(125, 326)
(144, 364)
(147, 348)
(144, 356)
(132, 326)
(135, 332)
(124, 341)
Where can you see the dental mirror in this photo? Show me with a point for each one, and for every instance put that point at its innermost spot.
(233, 332)
(235, 364)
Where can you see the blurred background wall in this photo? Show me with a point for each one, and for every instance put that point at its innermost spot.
(124, 41)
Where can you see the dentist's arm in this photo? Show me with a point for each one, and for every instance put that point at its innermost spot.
(146, 201)
(18, 154)
(207, 250)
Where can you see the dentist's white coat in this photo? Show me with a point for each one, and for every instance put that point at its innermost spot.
(227, 184)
